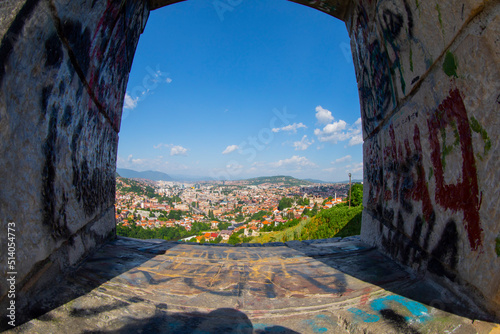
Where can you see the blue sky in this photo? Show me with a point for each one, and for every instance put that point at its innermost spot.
(254, 89)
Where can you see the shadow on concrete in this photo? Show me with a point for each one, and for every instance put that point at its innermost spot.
(125, 254)
(132, 253)
(222, 320)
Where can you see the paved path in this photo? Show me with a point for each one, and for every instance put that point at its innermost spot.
(323, 286)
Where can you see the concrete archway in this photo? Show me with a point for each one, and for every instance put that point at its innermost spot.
(428, 82)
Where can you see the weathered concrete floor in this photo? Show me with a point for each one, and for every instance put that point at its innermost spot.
(333, 286)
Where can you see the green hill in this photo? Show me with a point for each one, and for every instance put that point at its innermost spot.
(339, 221)
(292, 233)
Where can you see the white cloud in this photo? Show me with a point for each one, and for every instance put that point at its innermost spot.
(330, 170)
(339, 131)
(347, 158)
(161, 145)
(303, 144)
(149, 84)
(174, 149)
(151, 164)
(356, 140)
(294, 162)
(230, 149)
(234, 166)
(323, 116)
(130, 102)
(292, 127)
(354, 168)
(332, 132)
(178, 150)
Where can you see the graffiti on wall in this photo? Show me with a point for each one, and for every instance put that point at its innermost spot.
(395, 19)
(113, 44)
(81, 139)
(464, 195)
(376, 91)
(93, 186)
(383, 33)
(396, 172)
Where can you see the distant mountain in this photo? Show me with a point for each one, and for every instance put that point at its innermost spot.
(149, 175)
(317, 181)
(280, 179)
(352, 181)
(190, 178)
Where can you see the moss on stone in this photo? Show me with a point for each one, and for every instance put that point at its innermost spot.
(477, 128)
(450, 65)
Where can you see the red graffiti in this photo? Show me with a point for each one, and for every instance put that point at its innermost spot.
(464, 195)
(421, 191)
(366, 296)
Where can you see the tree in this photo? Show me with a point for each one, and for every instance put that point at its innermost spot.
(202, 240)
(327, 200)
(247, 239)
(314, 210)
(216, 240)
(285, 203)
(175, 214)
(223, 226)
(357, 194)
(260, 215)
(233, 239)
(302, 201)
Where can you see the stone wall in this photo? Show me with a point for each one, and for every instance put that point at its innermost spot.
(428, 75)
(63, 72)
(429, 82)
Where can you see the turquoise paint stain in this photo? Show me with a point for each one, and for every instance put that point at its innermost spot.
(360, 315)
(322, 317)
(316, 328)
(418, 310)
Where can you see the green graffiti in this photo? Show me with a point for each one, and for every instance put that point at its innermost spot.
(477, 128)
(450, 65)
(440, 18)
(411, 58)
(431, 173)
(448, 148)
(497, 246)
(417, 4)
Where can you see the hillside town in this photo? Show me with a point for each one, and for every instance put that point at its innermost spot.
(211, 211)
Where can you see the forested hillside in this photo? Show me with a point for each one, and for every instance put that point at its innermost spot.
(339, 221)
